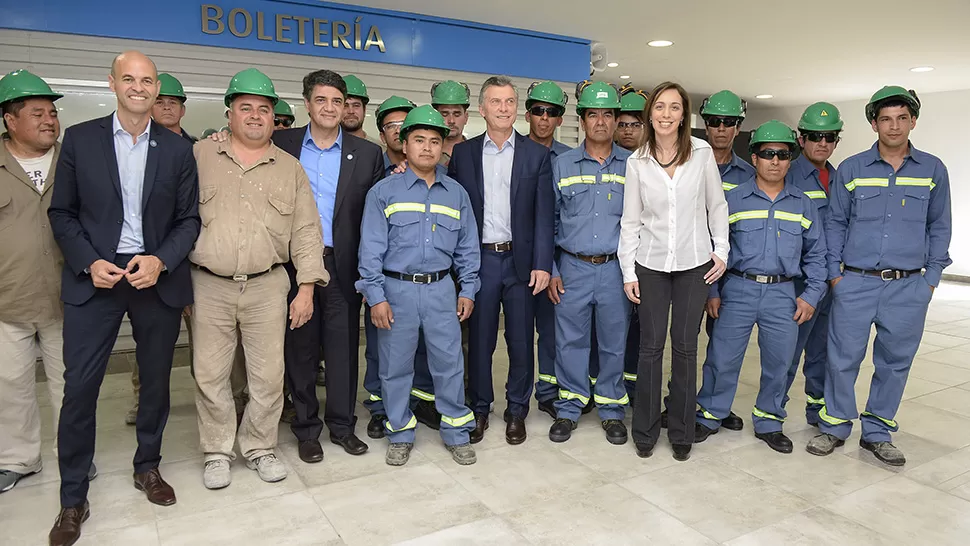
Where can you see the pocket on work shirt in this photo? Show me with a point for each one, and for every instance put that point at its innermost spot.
(789, 238)
(867, 205)
(615, 198)
(404, 228)
(279, 215)
(916, 202)
(445, 232)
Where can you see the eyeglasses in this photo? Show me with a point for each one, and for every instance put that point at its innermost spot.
(285, 122)
(553, 111)
(716, 121)
(782, 155)
(630, 125)
(392, 126)
(813, 136)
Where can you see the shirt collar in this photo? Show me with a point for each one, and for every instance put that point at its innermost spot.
(609, 159)
(872, 154)
(510, 141)
(411, 178)
(116, 126)
(268, 157)
(337, 145)
(751, 188)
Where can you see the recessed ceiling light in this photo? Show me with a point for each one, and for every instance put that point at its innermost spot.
(624, 77)
(763, 96)
(612, 65)
(921, 69)
(101, 104)
(660, 43)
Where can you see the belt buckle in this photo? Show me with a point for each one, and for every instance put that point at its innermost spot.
(421, 279)
(240, 278)
(597, 260)
(888, 275)
(763, 279)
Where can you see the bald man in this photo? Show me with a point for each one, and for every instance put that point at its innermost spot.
(125, 213)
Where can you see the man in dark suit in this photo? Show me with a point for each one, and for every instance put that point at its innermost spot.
(341, 169)
(509, 180)
(125, 215)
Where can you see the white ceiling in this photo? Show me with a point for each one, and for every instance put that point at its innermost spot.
(799, 51)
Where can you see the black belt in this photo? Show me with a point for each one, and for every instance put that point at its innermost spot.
(498, 247)
(420, 278)
(763, 279)
(327, 251)
(884, 274)
(237, 278)
(595, 260)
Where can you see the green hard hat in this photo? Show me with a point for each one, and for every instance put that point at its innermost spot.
(282, 108)
(892, 92)
(546, 92)
(724, 103)
(208, 132)
(450, 92)
(171, 87)
(21, 84)
(251, 82)
(356, 88)
(633, 102)
(821, 117)
(773, 131)
(393, 104)
(424, 117)
(597, 95)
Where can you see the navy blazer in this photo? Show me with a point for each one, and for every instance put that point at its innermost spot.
(86, 211)
(533, 199)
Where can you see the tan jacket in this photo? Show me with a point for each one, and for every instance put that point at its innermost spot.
(254, 218)
(30, 261)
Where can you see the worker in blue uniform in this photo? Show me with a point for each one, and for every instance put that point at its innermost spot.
(587, 286)
(775, 237)
(819, 129)
(888, 230)
(417, 227)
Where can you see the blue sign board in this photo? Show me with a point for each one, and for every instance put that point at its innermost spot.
(306, 27)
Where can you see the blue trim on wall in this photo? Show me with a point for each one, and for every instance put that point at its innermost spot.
(326, 30)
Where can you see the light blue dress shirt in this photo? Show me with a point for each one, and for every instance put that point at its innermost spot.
(323, 169)
(131, 159)
(497, 174)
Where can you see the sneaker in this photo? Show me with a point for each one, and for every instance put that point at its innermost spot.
(398, 453)
(463, 454)
(885, 452)
(823, 444)
(8, 479)
(216, 474)
(270, 468)
(132, 416)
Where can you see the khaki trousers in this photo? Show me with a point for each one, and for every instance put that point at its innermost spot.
(226, 311)
(19, 412)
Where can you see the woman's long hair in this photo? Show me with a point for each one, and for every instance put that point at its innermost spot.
(648, 142)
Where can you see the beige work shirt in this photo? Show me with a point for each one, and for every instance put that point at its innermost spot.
(30, 260)
(256, 217)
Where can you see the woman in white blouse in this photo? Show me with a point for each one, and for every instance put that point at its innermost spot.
(673, 246)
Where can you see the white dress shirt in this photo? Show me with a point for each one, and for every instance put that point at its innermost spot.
(497, 174)
(132, 159)
(668, 224)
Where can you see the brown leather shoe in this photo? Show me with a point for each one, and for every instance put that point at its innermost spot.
(155, 488)
(514, 430)
(481, 425)
(67, 526)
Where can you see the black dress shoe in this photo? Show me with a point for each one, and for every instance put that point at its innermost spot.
(663, 419)
(776, 440)
(549, 408)
(481, 425)
(701, 432)
(310, 451)
(375, 427)
(732, 422)
(515, 432)
(351, 444)
(561, 430)
(681, 451)
(644, 451)
(426, 414)
(615, 431)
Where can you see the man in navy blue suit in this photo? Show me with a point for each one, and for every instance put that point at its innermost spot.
(509, 180)
(125, 213)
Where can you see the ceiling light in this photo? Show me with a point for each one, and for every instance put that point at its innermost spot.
(101, 104)
(624, 77)
(612, 65)
(763, 96)
(61, 109)
(660, 43)
(921, 69)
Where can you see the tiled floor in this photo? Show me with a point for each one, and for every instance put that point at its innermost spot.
(734, 490)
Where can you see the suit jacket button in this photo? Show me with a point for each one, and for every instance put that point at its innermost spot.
(121, 221)
(111, 249)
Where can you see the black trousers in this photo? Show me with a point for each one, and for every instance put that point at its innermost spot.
(334, 333)
(90, 331)
(685, 293)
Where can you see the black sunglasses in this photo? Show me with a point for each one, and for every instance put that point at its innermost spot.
(813, 136)
(285, 122)
(716, 121)
(783, 155)
(630, 124)
(553, 111)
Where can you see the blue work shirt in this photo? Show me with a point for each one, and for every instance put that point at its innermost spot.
(389, 167)
(411, 228)
(558, 148)
(780, 237)
(804, 176)
(323, 169)
(884, 219)
(589, 201)
(131, 159)
(735, 172)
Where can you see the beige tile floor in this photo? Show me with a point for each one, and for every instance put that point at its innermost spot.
(734, 490)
